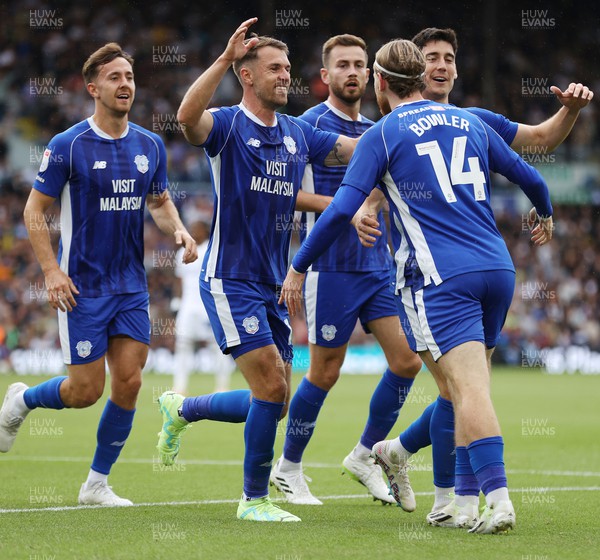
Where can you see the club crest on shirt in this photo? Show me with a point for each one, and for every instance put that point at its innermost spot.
(84, 348)
(290, 144)
(328, 332)
(250, 324)
(141, 162)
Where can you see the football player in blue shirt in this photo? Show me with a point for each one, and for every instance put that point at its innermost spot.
(458, 289)
(105, 170)
(439, 47)
(257, 159)
(347, 283)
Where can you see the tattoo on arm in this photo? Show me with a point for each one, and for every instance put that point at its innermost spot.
(335, 158)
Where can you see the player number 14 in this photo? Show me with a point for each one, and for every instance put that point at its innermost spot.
(457, 175)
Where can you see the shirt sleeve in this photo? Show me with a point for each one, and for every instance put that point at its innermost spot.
(506, 128)
(369, 162)
(160, 181)
(505, 161)
(222, 124)
(329, 226)
(319, 142)
(55, 168)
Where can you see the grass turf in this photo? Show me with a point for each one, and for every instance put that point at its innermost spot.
(552, 433)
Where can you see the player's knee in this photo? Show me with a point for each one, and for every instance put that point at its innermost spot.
(130, 388)
(406, 365)
(84, 397)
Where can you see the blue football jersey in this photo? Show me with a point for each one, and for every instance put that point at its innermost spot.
(346, 254)
(434, 160)
(256, 173)
(102, 184)
(506, 128)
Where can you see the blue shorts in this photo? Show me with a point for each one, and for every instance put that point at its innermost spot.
(244, 315)
(84, 332)
(468, 307)
(335, 300)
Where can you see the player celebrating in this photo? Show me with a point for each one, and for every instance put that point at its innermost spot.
(347, 283)
(103, 169)
(257, 160)
(457, 251)
(457, 506)
(192, 321)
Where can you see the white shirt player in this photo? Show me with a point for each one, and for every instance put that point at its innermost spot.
(192, 319)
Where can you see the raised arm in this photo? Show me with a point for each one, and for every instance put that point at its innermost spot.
(195, 120)
(60, 287)
(551, 133)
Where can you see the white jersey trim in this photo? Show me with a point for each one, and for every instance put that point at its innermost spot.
(232, 336)
(101, 133)
(211, 263)
(310, 297)
(254, 118)
(415, 233)
(425, 330)
(66, 227)
(341, 114)
(406, 296)
(63, 332)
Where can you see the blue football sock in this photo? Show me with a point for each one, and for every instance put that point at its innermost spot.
(302, 417)
(113, 431)
(386, 402)
(259, 436)
(487, 459)
(230, 406)
(416, 436)
(466, 481)
(45, 395)
(441, 432)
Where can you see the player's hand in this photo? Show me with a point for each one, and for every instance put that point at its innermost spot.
(575, 97)
(190, 254)
(61, 290)
(541, 228)
(291, 291)
(366, 226)
(237, 46)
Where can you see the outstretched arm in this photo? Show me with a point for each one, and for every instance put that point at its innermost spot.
(551, 133)
(195, 120)
(341, 152)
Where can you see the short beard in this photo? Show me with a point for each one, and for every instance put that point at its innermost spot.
(348, 99)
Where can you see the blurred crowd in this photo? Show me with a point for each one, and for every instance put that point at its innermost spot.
(42, 49)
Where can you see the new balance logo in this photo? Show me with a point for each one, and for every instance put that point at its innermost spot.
(119, 443)
(254, 142)
(99, 165)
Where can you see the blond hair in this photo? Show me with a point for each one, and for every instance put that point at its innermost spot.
(401, 56)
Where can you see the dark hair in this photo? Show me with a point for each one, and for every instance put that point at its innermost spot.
(102, 56)
(435, 34)
(402, 57)
(252, 54)
(345, 40)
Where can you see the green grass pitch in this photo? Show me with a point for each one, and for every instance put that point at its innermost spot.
(551, 427)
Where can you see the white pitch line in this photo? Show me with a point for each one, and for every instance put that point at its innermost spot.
(236, 463)
(536, 490)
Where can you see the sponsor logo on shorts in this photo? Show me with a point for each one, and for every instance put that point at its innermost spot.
(84, 348)
(328, 332)
(250, 324)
